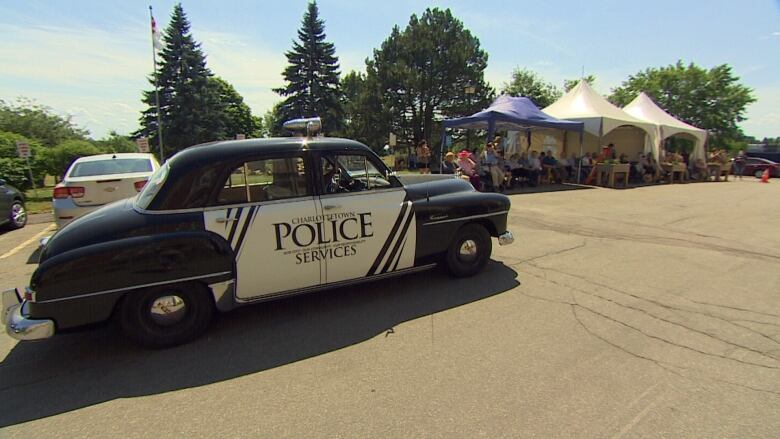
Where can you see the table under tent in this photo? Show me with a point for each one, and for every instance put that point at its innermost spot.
(603, 122)
(666, 125)
(510, 113)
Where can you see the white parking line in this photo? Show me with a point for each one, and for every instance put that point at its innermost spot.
(21, 246)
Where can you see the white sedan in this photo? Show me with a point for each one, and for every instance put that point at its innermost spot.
(94, 181)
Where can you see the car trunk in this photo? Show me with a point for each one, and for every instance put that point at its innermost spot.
(106, 188)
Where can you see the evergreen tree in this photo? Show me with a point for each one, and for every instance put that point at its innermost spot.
(190, 108)
(312, 76)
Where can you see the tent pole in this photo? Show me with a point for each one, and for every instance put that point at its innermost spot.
(579, 164)
(441, 148)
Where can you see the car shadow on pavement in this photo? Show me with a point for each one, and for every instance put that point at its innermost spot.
(72, 371)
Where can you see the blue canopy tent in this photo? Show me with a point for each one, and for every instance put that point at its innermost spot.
(514, 114)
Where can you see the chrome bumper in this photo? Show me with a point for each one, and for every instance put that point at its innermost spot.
(17, 325)
(506, 238)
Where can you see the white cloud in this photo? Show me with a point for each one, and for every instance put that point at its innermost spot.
(98, 76)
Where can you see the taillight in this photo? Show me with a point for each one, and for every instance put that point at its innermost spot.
(60, 192)
(68, 191)
(139, 185)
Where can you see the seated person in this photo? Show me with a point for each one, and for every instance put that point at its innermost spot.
(448, 166)
(468, 168)
(550, 164)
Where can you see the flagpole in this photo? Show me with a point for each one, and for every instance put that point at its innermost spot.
(157, 92)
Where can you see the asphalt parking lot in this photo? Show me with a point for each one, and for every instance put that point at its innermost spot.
(647, 312)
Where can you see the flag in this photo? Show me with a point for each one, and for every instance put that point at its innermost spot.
(156, 36)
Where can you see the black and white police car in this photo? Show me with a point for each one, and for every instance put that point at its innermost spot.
(237, 222)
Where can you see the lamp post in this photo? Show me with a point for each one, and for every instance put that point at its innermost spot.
(469, 90)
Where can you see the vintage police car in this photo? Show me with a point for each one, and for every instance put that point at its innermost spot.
(239, 222)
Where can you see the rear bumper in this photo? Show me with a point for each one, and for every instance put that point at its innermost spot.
(17, 325)
(506, 238)
(65, 211)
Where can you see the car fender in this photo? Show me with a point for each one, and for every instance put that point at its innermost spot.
(110, 269)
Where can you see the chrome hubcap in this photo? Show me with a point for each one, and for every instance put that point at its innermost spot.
(18, 214)
(468, 250)
(168, 310)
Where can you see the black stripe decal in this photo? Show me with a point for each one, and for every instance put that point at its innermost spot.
(227, 215)
(398, 259)
(393, 231)
(398, 243)
(247, 222)
(234, 225)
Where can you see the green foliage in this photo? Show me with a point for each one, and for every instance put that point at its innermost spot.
(13, 168)
(312, 76)
(116, 143)
(712, 99)
(527, 83)
(236, 115)
(419, 76)
(35, 121)
(569, 84)
(363, 116)
(58, 159)
(272, 123)
(190, 108)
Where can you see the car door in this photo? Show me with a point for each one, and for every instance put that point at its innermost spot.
(265, 209)
(6, 196)
(369, 224)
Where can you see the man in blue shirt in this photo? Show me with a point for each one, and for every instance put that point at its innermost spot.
(549, 162)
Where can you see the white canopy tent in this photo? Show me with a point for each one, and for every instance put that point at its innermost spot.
(642, 107)
(601, 118)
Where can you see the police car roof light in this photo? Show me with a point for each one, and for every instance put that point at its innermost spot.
(310, 126)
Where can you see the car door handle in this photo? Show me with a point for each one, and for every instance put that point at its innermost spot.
(331, 206)
(225, 220)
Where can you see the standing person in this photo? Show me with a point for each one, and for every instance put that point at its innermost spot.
(491, 161)
(424, 157)
(739, 164)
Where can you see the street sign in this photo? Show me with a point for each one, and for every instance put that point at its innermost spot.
(240, 136)
(392, 140)
(143, 144)
(23, 149)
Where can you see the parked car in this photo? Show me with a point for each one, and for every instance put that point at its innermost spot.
(12, 208)
(756, 166)
(96, 180)
(239, 222)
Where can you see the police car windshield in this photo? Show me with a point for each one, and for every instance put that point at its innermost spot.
(153, 186)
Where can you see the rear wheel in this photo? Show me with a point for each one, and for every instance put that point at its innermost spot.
(166, 316)
(18, 215)
(469, 251)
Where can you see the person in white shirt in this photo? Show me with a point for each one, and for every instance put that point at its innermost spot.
(534, 168)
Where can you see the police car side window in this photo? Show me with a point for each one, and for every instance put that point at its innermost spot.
(352, 173)
(265, 180)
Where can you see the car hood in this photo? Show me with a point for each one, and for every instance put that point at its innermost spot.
(114, 221)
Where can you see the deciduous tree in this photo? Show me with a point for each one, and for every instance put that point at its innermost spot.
(712, 99)
(527, 83)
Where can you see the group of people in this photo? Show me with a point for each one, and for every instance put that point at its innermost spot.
(492, 170)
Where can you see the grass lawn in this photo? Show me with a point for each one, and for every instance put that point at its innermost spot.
(38, 200)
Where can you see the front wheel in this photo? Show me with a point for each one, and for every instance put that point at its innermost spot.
(167, 315)
(469, 251)
(18, 216)
(759, 173)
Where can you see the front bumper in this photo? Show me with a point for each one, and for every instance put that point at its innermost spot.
(17, 325)
(506, 238)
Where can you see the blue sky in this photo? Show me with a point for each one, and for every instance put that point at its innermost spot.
(90, 58)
